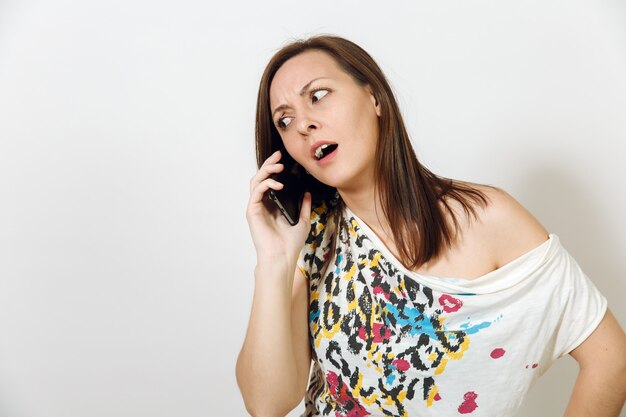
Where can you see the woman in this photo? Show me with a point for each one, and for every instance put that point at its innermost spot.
(363, 287)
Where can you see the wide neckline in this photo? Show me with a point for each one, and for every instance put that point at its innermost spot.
(503, 277)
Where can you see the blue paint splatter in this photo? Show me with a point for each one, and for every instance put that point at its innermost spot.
(475, 328)
(421, 323)
(314, 315)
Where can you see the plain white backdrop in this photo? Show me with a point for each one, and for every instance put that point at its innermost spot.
(126, 147)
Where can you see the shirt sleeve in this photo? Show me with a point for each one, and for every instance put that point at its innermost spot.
(583, 306)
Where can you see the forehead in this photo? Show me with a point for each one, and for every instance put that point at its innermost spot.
(299, 70)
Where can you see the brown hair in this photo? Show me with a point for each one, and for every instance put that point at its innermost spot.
(409, 192)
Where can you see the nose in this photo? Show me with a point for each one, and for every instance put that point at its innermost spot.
(306, 124)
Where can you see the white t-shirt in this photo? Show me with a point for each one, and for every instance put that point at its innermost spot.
(390, 342)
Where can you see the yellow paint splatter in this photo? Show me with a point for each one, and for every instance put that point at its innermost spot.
(352, 227)
(431, 395)
(462, 348)
(350, 273)
(375, 259)
(441, 367)
(329, 333)
(369, 400)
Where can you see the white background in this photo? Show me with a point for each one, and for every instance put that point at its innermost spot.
(126, 147)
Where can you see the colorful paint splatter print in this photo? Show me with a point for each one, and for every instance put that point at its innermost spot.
(386, 343)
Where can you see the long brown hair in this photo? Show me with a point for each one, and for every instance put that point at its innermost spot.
(410, 193)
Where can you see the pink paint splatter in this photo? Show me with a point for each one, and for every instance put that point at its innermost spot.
(469, 405)
(401, 364)
(379, 290)
(449, 303)
(363, 335)
(341, 394)
(497, 353)
(380, 331)
(437, 397)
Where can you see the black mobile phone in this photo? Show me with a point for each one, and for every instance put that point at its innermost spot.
(289, 198)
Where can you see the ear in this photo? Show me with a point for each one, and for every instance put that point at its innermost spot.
(374, 100)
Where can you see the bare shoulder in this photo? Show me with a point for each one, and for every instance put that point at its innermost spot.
(505, 226)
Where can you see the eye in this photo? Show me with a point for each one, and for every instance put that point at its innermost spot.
(314, 93)
(280, 124)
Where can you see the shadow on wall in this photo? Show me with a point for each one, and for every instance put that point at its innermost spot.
(567, 209)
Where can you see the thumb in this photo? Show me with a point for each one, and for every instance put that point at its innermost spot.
(305, 210)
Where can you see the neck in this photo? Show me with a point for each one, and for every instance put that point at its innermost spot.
(366, 204)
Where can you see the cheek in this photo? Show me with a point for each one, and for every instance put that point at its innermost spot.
(364, 128)
(362, 119)
(295, 151)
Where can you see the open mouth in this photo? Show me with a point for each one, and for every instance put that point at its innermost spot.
(325, 150)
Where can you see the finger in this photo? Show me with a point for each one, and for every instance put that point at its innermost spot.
(265, 172)
(305, 210)
(273, 158)
(259, 191)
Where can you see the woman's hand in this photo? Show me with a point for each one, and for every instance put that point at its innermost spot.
(272, 234)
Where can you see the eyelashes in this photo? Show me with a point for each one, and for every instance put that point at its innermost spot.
(280, 124)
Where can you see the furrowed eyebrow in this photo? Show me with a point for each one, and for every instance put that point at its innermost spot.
(304, 89)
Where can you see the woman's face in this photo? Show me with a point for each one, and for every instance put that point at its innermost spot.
(332, 110)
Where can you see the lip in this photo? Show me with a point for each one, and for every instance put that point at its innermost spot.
(318, 144)
(328, 158)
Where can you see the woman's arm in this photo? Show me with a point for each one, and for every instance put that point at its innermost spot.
(274, 363)
(600, 389)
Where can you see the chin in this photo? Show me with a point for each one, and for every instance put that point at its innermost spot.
(329, 183)
(335, 182)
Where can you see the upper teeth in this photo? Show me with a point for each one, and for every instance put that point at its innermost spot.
(318, 151)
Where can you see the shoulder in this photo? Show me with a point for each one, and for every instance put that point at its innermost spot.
(507, 227)
(503, 229)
